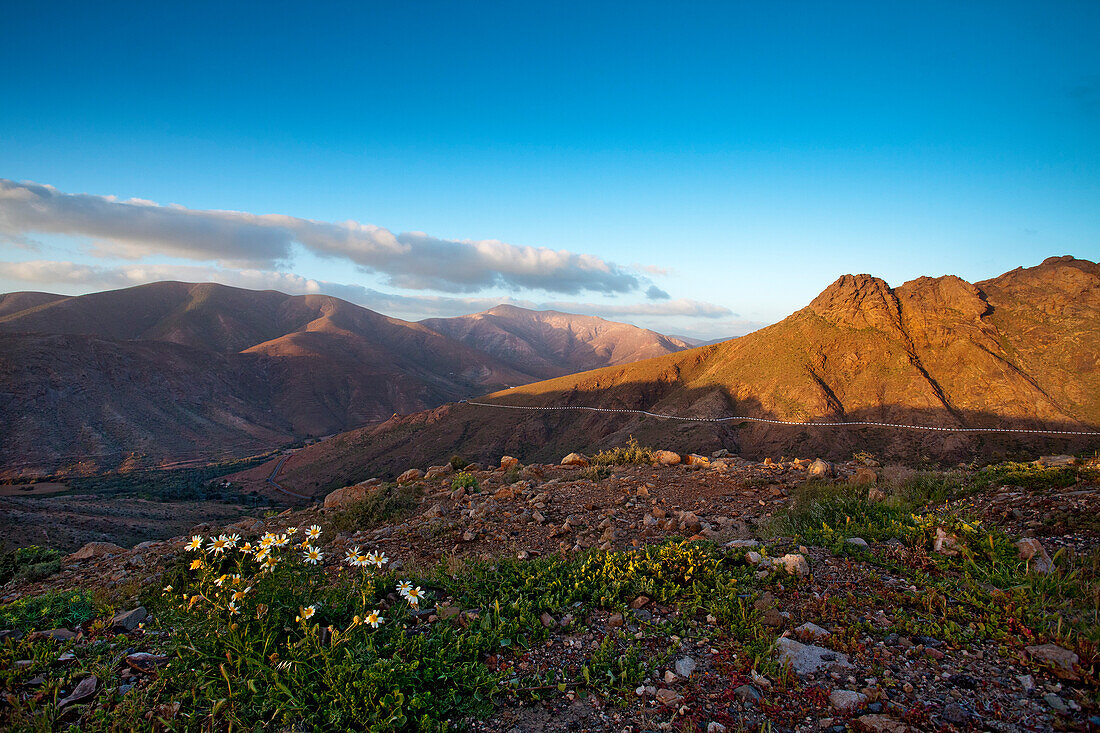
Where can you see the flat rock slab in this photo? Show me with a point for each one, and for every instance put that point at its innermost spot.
(806, 659)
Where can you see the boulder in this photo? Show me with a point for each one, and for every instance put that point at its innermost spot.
(863, 477)
(345, 497)
(435, 472)
(820, 469)
(1032, 551)
(876, 494)
(666, 457)
(694, 459)
(413, 474)
(1056, 461)
(96, 549)
(509, 462)
(1063, 662)
(808, 658)
(575, 459)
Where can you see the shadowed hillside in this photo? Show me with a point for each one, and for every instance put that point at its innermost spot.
(1017, 351)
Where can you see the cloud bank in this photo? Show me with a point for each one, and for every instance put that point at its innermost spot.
(134, 229)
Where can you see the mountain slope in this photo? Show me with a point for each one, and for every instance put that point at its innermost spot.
(1018, 351)
(106, 374)
(546, 344)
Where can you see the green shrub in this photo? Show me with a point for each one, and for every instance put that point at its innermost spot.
(384, 503)
(458, 462)
(1025, 476)
(49, 610)
(597, 472)
(29, 564)
(466, 481)
(631, 453)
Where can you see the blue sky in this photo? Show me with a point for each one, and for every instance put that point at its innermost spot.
(736, 157)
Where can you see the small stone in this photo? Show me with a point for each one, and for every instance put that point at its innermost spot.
(1033, 552)
(747, 694)
(413, 474)
(795, 564)
(876, 494)
(55, 634)
(669, 677)
(83, 691)
(715, 727)
(1056, 703)
(844, 700)
(1026, 681)
(857, 541)
(944, 543)
(546, 619)
(639, 602)
(684, 666)
(877, 723)
(807, 658)
(812, 631)
(129, 620)
(668, 697)
(507, 462)
(145, 662)
(615, 621)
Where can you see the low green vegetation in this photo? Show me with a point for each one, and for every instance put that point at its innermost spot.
(597, 472)
(977, 587)
(464, 480)
(387, 502)
(264, 639)
(1032, 476)
(622, 455)
(28, 564)
(48, 611)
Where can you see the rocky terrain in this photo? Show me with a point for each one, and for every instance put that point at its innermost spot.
(888, 621)
(1018, 352)
(173, 371)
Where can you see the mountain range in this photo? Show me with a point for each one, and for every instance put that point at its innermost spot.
(1019, 351)
(173, 371)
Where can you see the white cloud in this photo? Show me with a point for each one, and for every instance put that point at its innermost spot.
(90, 277)
(135, 229)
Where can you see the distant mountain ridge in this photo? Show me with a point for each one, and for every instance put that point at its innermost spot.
(546, 344)
(174, 369)
(1021, 351)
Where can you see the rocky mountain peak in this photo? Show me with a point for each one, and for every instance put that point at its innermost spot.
(858, 301)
